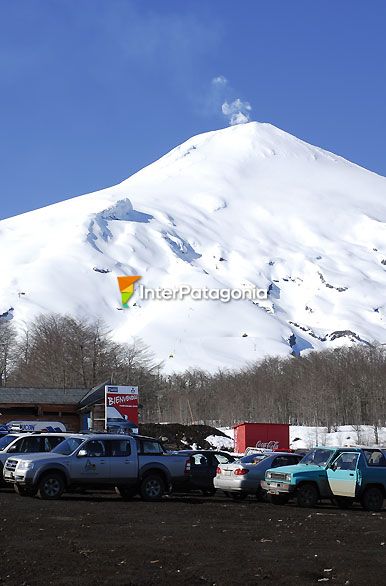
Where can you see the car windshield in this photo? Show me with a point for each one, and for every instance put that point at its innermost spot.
(6, 440)
(317, 457)
(253, 458)
(68, 446)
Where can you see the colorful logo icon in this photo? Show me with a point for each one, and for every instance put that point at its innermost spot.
(126, 287)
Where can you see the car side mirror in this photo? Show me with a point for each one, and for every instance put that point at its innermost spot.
(82, 454)
(12, 449)
(333, 466)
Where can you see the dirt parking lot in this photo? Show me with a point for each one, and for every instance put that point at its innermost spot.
(100, 539)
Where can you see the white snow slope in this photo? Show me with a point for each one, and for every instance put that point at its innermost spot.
(247, 205)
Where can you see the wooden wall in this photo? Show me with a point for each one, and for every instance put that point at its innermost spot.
(67, 414)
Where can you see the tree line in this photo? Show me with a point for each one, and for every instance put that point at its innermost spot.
(342, 386)
(59, 351)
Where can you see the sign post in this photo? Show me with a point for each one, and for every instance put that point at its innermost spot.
(121, 409)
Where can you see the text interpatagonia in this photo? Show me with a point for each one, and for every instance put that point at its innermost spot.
(201, 293)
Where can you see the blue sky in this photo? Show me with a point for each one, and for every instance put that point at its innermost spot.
(93, 90)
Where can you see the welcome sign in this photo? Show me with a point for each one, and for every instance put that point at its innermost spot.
(121, 405)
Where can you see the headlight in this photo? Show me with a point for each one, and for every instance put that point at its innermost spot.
(288, 477)
(25, 465)
(268, 475)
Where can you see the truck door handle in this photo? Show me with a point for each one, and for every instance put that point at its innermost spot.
(351, 474)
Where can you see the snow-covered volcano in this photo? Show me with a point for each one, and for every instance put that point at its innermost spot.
(247, 205)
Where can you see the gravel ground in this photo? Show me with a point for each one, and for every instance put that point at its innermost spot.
(99, 539)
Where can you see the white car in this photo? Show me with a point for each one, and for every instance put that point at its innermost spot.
(244, 476)
(27, 443)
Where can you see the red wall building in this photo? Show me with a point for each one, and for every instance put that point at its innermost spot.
(273, 436)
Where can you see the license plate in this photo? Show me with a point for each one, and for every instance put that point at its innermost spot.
(228, 472)
(273, 492)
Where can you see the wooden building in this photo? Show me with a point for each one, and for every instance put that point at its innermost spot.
(43, 405)
(78, 409)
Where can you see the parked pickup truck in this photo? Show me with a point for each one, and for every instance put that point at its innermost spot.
(131, 464)
(343, 475)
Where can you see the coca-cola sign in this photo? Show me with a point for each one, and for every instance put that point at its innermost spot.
(270, 445)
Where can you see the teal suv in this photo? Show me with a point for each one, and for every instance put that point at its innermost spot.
(343, 475)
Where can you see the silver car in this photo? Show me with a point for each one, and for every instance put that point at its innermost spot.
(244, 476)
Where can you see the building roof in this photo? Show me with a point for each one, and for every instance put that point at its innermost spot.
(94, 395)
(31, 396)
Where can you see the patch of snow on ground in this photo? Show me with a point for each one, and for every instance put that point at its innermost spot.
(342, 436)
(220, 442)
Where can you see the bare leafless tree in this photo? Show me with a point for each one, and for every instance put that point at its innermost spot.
(7, 351)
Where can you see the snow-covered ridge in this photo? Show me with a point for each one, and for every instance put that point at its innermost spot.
(247, 205)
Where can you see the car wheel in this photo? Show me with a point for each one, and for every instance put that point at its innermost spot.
(261, 495)
(209, 492)
(152, 488)
(51, 486)
(279, 499)
(343, 502)
(307, 495)
(372, 499)
(239, 496)
(227, 494)
(24, 490)
(126, 492)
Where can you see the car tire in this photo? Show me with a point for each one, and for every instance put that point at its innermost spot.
(24, 490)
(372, 499)
(343, 502)
(209, 492)
(51, 486)
(279, 499)
(239, 496)
(261, 495)
(126, 492)
(307, 495)
(152, 488)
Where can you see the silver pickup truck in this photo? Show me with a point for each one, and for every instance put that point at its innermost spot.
(131, 464)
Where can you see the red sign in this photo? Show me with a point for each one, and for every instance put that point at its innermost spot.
(121, 403)
(271, 436)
